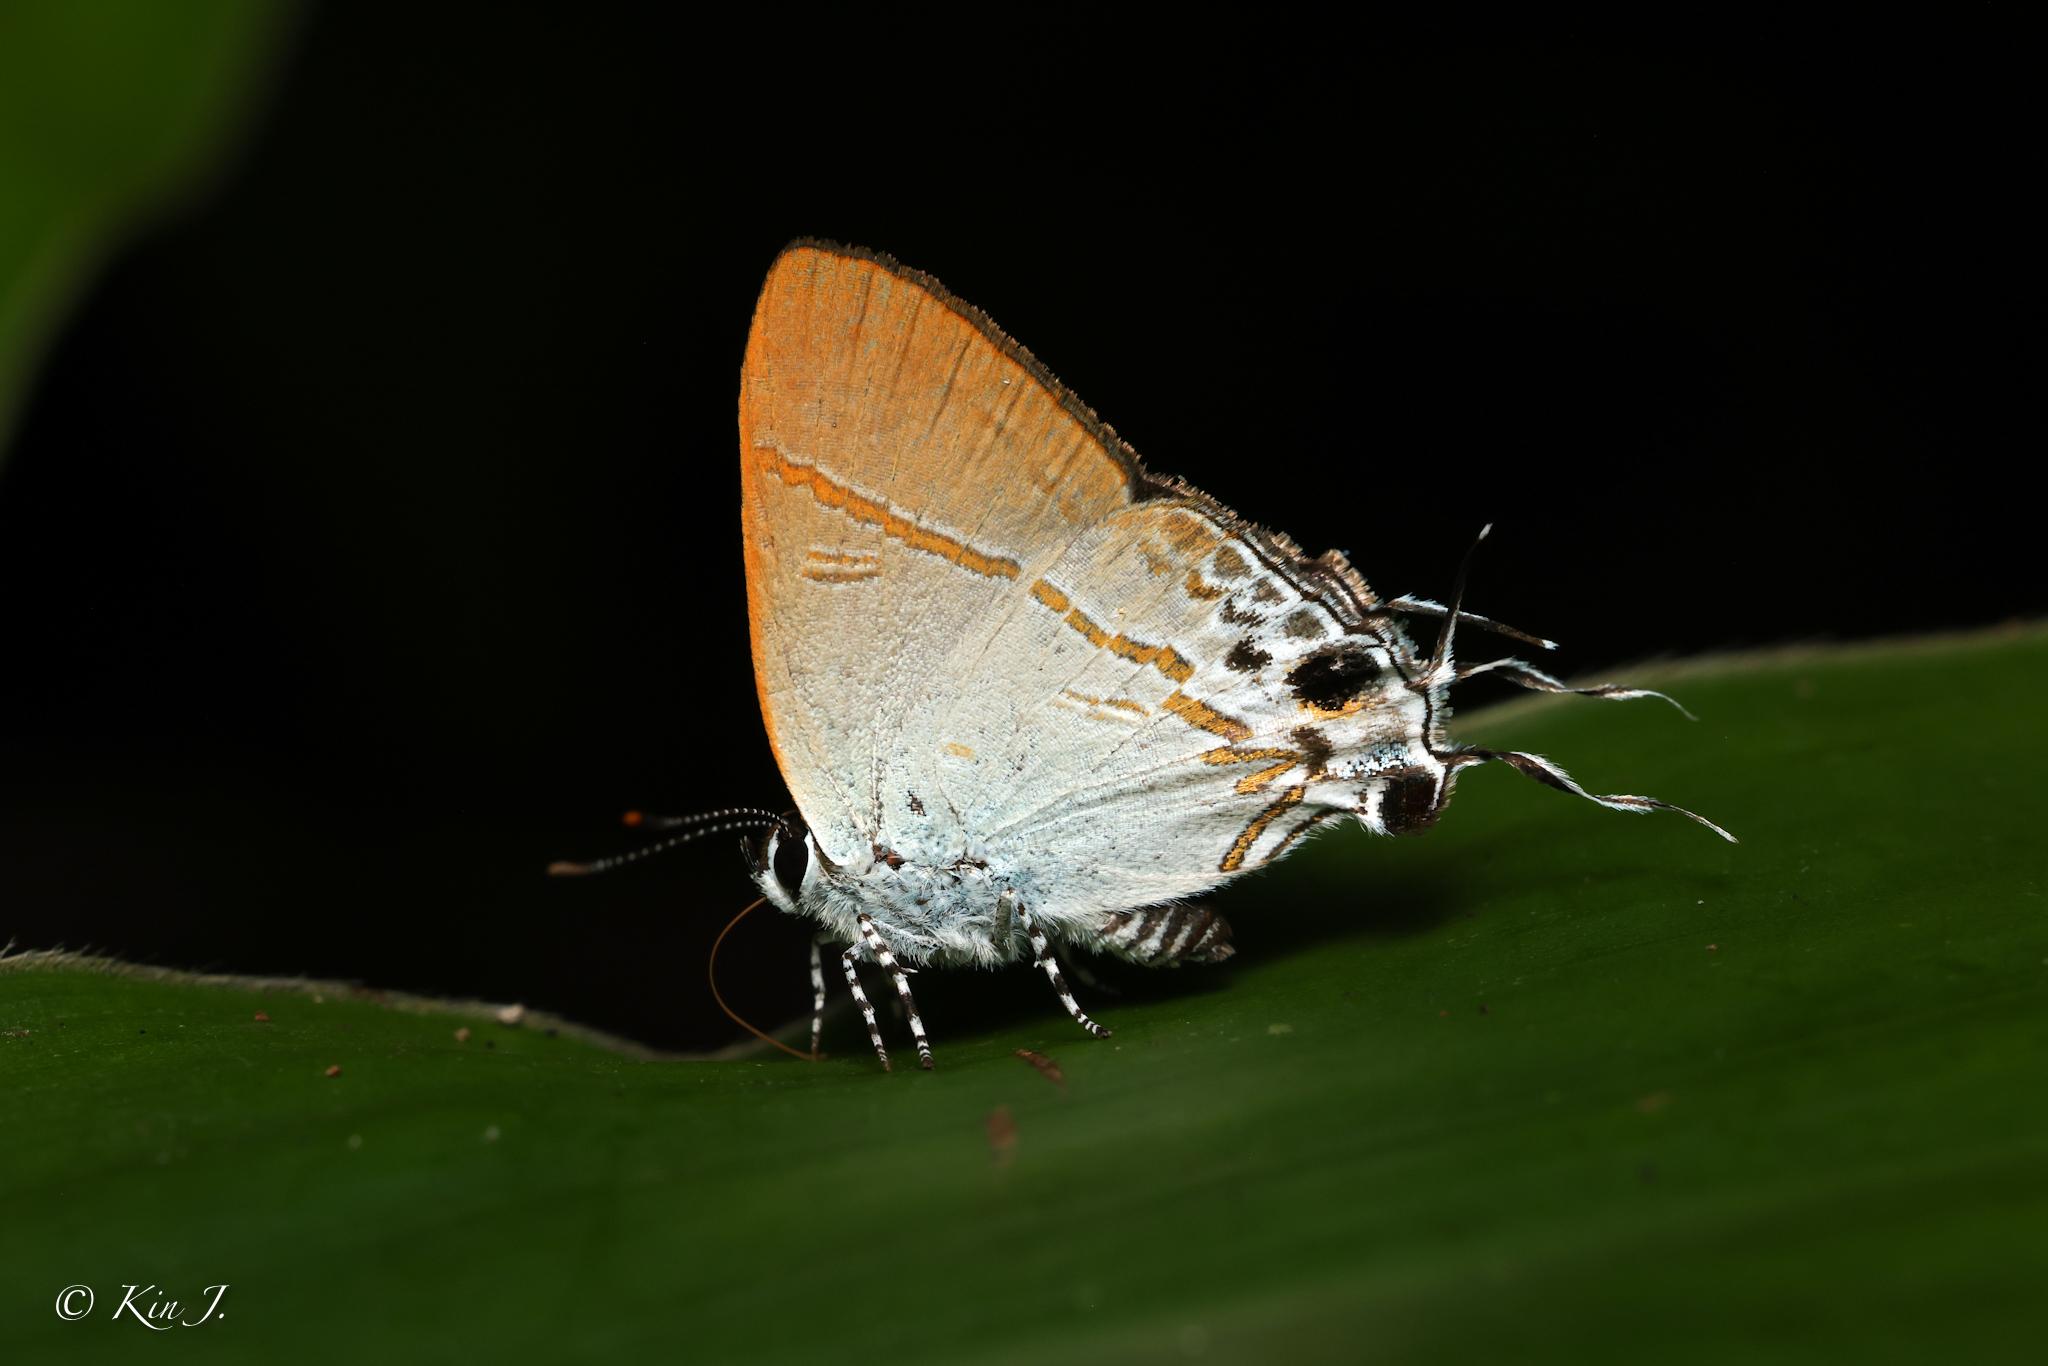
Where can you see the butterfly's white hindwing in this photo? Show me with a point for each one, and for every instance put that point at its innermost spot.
(1132, 729)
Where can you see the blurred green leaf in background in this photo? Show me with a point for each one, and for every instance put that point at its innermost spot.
(111, 112)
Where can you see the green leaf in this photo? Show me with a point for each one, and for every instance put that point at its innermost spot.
(109, 110)
(1549, 1084)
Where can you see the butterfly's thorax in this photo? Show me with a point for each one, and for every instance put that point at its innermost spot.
(951, 912)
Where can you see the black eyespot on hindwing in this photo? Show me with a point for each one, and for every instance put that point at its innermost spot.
(1329, 680)
(1246, 658)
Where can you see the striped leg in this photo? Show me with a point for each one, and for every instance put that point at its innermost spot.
(860, 998)
(889, 964)
(1043, 950)
(817, 996)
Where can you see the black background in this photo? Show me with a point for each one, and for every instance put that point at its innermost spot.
(372, 538)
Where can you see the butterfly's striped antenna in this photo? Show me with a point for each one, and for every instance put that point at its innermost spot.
(748, 821)
(711, 975)
(638, 820)
(1525, 675)
(1550, 775)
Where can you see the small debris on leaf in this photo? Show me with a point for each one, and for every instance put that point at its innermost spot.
(335, 1070)
(1047, 1068)
(511, 1015)
(1002, 1135)
(262, 1017)
(462, 1034)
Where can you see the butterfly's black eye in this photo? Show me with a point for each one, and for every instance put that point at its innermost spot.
(791, 857)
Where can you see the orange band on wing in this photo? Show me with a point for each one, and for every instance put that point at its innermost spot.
(1204, 717)
(1242, 846)
(1164, 658)
(860, 508)
(1265, 777)
(1119, 703)
(1229, 755)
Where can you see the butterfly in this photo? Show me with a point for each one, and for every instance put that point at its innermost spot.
(1029, 696)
